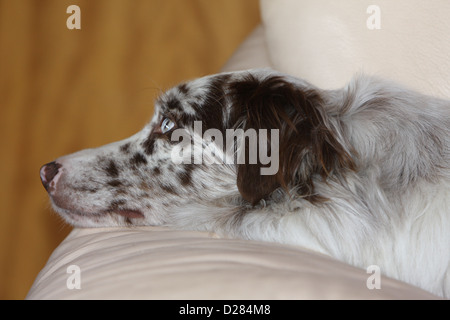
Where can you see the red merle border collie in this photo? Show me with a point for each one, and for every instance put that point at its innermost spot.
(362, 172)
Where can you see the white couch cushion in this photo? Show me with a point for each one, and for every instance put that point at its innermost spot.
(159, 263)
(327, 41)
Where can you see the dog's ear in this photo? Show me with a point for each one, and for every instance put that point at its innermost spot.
(307, 145)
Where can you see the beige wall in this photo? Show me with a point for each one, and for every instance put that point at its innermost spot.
(63, 90)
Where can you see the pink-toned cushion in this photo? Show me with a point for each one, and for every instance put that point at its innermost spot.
(159, 263)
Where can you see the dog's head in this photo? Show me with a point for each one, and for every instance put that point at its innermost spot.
(232, 137)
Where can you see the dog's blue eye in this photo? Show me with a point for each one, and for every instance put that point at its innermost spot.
(167, 125)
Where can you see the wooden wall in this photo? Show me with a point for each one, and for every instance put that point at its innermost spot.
(64, 90)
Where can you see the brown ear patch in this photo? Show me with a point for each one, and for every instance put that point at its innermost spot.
(252, 185)
(307, 144)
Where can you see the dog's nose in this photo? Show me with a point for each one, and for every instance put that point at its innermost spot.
(48, 172)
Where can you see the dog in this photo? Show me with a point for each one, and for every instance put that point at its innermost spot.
(362, 173)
